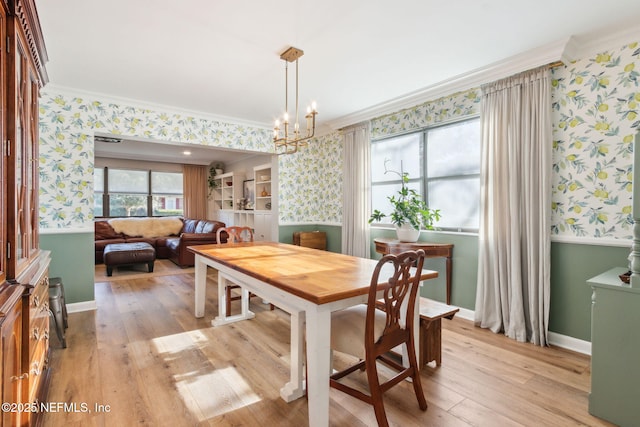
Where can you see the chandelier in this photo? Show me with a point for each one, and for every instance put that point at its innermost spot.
(288, 142)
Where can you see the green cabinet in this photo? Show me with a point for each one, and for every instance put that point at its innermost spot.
(615, 349)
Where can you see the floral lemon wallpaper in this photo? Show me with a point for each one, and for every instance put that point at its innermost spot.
(67, 126)
(311, 183)
(595, 119)
(441, 110)
(595, 113)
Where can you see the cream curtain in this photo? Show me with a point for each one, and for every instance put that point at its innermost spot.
(514, 239)
(194, 183)
(356, 190)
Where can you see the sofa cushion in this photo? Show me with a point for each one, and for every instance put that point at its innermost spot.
(150, 241)
(205, 227)
(173, 243)
(104, 231)
(161, 241)
(190, 225)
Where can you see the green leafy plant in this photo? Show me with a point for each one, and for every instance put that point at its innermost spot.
(408, 206)
(211, 180)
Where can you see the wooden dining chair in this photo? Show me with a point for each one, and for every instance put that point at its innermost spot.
(235, 234)
(369, 332)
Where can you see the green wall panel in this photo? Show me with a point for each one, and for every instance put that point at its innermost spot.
(465, 266)
(334, 234)
(571, 266)
(72, 259)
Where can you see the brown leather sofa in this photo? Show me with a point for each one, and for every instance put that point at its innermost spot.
(194, 232)
(173, 247)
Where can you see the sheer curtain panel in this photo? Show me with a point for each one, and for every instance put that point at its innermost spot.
(195, 191)
(514, 238)
(356, 202)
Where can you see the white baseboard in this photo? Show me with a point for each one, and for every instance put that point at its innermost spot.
(77, 307)
(466, 314)
(570, 343)
(558, 340)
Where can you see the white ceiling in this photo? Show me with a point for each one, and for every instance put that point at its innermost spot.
(163, 151)
(221, 58)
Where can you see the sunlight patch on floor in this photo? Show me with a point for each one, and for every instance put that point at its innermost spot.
(214, 394)
(208, 392)
(174, 344)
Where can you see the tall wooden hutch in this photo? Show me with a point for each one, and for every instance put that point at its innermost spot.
(24, 290)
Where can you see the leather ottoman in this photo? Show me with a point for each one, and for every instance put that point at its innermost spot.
(128, 253)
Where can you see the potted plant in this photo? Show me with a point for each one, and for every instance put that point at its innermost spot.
(211, 180)
(410, 211)
(218, 167)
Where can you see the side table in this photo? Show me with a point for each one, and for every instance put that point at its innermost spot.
(432, 250)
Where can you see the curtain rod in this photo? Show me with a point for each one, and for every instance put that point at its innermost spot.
(555, 64)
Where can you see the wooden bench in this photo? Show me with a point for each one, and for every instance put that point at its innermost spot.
(431, 314)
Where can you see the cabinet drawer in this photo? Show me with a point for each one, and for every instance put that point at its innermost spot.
(37, 366)
(38, 331)
(39, 293)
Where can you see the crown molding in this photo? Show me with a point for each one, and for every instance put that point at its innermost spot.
(64, 90)
(566, 50)
(605, 39)
(525, 61)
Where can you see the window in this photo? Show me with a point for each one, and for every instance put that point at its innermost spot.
(166, 193)
(443, 164)
(126, 192)
(98, 191)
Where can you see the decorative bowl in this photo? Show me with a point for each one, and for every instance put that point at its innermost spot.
(626, 277)
(229, 183)
(265, 177)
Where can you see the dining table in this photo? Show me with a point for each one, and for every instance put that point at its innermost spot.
(307, 283)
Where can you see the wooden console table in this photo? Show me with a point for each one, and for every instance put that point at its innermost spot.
(432, 250)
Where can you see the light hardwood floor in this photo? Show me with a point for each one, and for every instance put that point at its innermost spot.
(147, 360)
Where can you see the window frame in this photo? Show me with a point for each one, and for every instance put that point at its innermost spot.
(149, 194)
(424, 177)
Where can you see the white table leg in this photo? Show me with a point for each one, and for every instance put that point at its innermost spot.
(294, 389)
(318, 366)
(244, 302)
(223, 318)
(200, 285)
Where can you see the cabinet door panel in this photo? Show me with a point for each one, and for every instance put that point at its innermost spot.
(22, 166)
(12, 377)
(3, 158)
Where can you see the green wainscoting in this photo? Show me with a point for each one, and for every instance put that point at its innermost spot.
(72, 259)
(571, 266)
(465, 266)
(334, 234)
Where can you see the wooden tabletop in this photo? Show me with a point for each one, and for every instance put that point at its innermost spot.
(317, 276)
